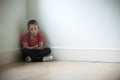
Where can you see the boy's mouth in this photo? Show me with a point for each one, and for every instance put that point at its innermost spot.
(33, 33)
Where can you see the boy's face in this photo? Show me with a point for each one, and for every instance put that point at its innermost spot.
(33, 29)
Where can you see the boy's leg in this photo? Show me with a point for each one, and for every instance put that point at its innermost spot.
(43, 52)
(27, 52)
(36, 55)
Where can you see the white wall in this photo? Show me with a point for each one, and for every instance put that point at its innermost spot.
(13, 17)
(13, 20)
(78, 24)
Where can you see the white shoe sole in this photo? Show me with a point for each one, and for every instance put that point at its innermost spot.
(28, 59)
(48, 58)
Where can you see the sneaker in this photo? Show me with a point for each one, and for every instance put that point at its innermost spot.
(48, 58)
(28, 59)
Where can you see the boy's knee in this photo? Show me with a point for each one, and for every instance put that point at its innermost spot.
(48, 50)
(26, 51)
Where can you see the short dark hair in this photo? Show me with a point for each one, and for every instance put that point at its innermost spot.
(32, 22)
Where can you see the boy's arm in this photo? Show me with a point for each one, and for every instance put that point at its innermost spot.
(40, 45)
(26, 46)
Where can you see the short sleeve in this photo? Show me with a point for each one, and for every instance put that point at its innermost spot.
(40, 36)
(24, 39)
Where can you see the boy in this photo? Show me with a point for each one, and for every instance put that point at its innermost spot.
(32, 44)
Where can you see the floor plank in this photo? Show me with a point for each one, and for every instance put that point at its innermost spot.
(60, 70)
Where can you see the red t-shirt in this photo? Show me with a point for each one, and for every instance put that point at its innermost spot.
(26, 39)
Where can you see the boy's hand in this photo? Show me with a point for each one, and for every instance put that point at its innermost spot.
(39, 48)
(36, 46)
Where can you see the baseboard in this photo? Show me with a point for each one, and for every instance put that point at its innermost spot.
(67, 54)
(7, 57)
(86, 55)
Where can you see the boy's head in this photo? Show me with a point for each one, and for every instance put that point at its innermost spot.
(33, 27)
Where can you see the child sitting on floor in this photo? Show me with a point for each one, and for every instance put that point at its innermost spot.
(32, 44)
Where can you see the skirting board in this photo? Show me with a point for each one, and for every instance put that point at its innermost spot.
(10, 56)
(67, 54)
(86, 55)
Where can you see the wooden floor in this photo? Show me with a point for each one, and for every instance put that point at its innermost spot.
(60, 70)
